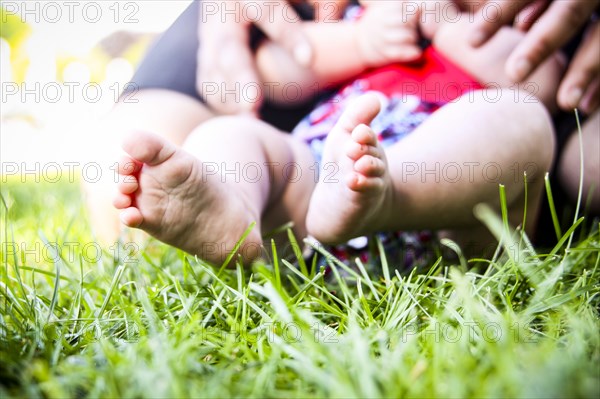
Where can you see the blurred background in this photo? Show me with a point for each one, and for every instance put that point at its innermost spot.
(63, 65)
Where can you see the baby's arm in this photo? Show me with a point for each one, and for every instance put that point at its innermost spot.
(384, 34)
(335, 59)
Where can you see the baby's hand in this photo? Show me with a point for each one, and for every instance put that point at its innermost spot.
(387, 32)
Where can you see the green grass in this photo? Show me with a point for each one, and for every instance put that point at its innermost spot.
(153, 322)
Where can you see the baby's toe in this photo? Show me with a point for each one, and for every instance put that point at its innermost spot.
(131, 217)
(147, 147)
(363, 134)
(355, 150)
(122, 201)
(361, 183)
(128, 185)
(128, 166)
(370, 166)
(362, 110)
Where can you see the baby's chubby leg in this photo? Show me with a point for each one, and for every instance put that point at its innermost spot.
(460, 155)
(433, 178)
(231, 172)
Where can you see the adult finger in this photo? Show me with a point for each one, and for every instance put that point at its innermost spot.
(553, 29)
(579, 87)
(531, 13)
(492, 16)
(280, 22)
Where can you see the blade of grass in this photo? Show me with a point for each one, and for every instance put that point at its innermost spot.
(57, 260)
(276, 266)
(504, 208)
(277, 304)
(235, 292)
(525, 203)
(557, 229)
(215, 305)
(384, 264)
(13, 245)
(406, 289)
(113, 284)
(236, 247)
(366, 277)
(581, 172)
(564, 238)
(313, 284)
(456, 249)
(363, 301)
(330, 258)
(297, 252)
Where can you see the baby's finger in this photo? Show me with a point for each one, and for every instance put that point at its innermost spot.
(242, 92)
(402, 53)
(400, 36)
(280, 22)
(228, 80)
(219, 32)
(249, 95)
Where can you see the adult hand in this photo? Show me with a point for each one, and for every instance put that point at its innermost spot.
(554, 26)
(227, 77)
(581, 85)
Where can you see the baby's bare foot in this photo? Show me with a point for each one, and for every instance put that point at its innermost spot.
(355, 204)
(163, 192)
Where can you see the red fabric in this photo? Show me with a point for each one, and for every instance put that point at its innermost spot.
(433, 78)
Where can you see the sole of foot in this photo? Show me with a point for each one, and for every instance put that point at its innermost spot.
(162, 191)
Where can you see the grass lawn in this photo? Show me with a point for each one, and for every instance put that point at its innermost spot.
(80, 321)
